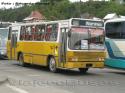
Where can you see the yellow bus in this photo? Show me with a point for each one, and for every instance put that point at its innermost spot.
(73, 43)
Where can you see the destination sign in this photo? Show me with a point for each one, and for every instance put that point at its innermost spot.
(90, 23)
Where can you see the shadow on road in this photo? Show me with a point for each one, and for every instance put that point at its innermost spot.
(75, 73)
(66, 72)
(117, 72)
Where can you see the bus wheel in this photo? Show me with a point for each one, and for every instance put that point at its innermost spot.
(52, 65)
(83, 70)
(21, 60)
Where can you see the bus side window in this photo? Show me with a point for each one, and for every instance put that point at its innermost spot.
(53, 36)
(40, 32)
(51, 32)
(48, 32)
(28, 33)
(36, 33)
(22, 33)
(33, 33)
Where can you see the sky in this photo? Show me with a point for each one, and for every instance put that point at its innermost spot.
(3, 3)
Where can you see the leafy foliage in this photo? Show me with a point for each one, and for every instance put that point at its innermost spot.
(63, 9)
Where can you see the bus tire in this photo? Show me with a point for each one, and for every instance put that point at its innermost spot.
(83, 70)
(21, 60)
(52, 64)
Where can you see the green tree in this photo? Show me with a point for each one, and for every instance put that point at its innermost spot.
(63, 9)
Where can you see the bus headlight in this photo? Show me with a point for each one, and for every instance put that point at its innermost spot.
(101, 59)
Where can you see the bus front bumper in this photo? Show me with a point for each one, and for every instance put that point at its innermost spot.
(72, 65)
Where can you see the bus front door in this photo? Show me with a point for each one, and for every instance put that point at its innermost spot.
(13, 45)
(63, 47)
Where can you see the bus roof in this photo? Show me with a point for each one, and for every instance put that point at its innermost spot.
(115, 20)
(87, 19)
(57, 21)
(40, 22)
(21, 24)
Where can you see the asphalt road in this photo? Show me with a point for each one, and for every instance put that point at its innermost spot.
(37, 79)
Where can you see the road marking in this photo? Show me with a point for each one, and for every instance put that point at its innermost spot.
(14, 88)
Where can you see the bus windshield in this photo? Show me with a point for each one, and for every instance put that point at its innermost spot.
(83, 38)
(115, 30)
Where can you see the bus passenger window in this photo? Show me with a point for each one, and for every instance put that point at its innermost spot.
(51, 33)
(28, 33)
(22, 33)
(40, 32)
(33, 30)
(48, 32)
